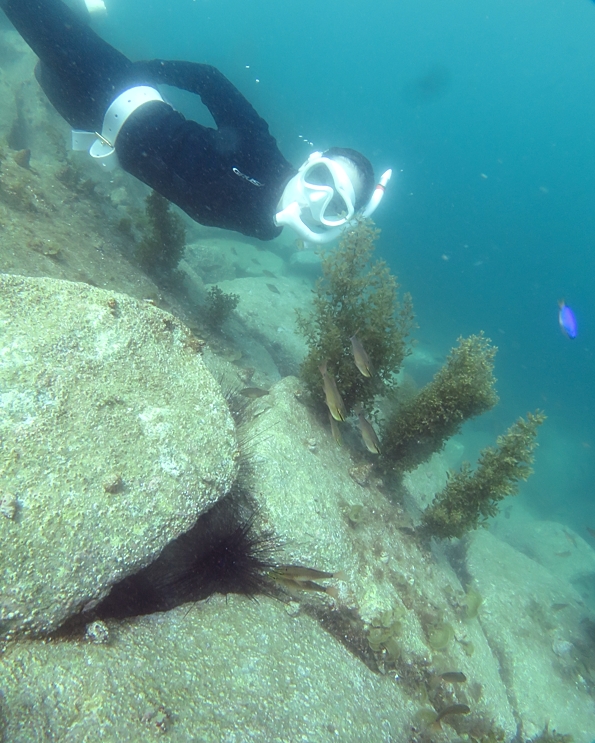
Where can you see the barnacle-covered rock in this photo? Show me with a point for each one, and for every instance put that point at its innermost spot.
(95, 383)
(234, 669)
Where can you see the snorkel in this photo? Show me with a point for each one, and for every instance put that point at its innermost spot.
(305, 205)
(378, 194)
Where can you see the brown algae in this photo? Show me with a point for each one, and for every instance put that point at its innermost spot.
(440, 636)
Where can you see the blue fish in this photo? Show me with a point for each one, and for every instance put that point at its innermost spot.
(567, 320)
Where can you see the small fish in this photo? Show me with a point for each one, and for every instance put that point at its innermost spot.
(301, 573)
(253, 393)
(571, 538)
(361, 358)
(270, 274)
(334, 400)
(558, 607)
(567, 320)
(453, 677)
(368, 433)
(293, 586)
(299, 578)
(563, 554)
(453, 709)
(273, 288)
(335, 431)
(591, 531)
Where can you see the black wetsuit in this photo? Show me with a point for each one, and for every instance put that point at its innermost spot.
(204, 171)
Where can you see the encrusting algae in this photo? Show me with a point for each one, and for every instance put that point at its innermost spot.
(357, 334)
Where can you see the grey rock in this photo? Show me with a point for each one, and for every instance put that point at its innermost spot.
(268, 317)
(3, 721)
(115, 438)
(555, 546)
(306, 486)
(223, 670)
(544, 684)
(306, 263)
(225, 258)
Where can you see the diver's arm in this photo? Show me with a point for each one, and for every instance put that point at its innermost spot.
(225, 102)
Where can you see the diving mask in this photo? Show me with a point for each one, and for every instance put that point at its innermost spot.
(320, 199)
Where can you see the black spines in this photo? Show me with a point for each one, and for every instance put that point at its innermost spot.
(223, 553)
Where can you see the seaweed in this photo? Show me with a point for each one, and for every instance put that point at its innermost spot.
(18, 136)
(473, 600)
(551, 737)
(19, 188)
(219, 306)
(470, 498)
(462, 389)
(164, 237)
(440, 635)
(72, 175)
(383, 634)
(355, 295)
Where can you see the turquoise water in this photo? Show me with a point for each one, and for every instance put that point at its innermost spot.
(486, 111)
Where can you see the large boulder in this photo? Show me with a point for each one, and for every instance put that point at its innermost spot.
(325, 503)
(222, 670)
(539, 629)
(555, 546)
(226, 258)
(266, 315)
(115, 437)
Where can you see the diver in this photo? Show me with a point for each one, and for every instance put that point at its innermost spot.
(232, 176)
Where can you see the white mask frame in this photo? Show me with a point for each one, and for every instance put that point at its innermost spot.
(303, 204)
(319, 196)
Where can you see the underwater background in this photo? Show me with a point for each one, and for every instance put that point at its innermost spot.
(153, 421)
(486, 113)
